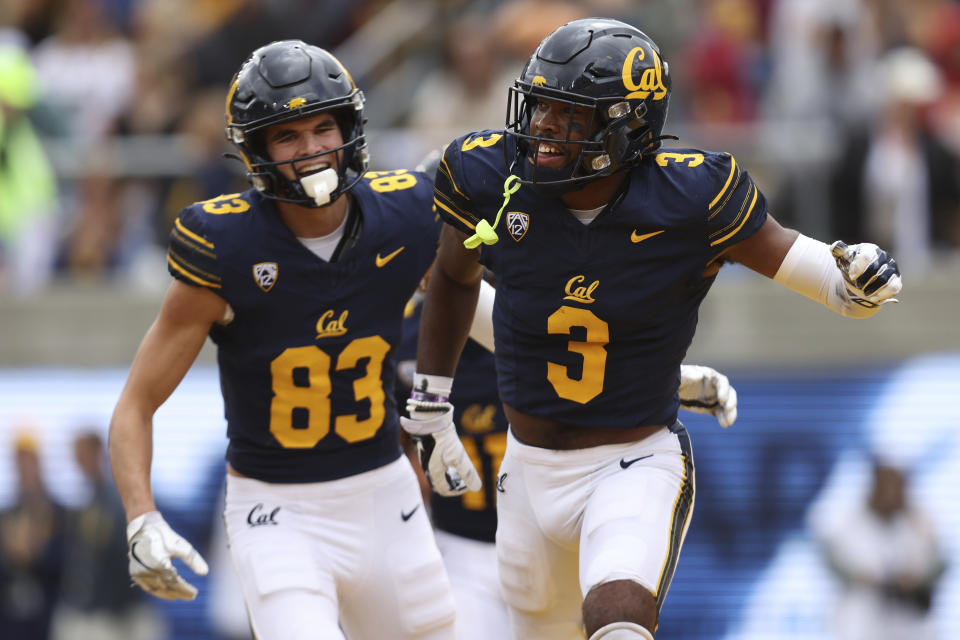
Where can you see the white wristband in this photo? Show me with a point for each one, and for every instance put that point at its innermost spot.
(437, 385)
(811, 270)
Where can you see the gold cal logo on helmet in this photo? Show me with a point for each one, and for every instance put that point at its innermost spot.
(539, 81)
(296, 103)
(651, 81)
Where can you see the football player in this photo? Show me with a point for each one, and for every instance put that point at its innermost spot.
(466, 525)
(301, 283)
(603, 244)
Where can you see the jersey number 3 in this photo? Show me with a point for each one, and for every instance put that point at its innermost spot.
(592, 350)
(301, 381)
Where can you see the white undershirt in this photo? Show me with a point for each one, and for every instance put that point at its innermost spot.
(586, 216)
(324, 246)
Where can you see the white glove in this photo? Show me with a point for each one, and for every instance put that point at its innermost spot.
(706, 390)
(442, 455)
(870, 273)
(152, 547)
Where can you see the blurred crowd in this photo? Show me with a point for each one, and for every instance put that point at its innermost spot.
(63, 572)
(111, 115)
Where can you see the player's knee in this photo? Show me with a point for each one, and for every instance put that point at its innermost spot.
(622, 631)
(619, 601)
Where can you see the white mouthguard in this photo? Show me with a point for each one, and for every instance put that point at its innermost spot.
(320, 185)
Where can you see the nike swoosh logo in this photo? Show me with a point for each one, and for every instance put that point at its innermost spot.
(407, 516)
(640, 238)
(387, 258)
(133, 552)
(503, 476)
(626, 463)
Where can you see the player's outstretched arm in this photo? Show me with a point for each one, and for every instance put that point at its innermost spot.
(706, 390)
(163, 358)
(448, 310)
(855, 281)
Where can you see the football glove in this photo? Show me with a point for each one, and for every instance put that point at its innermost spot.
(705, 390)
(870, 273)
(152, 546)
(442, 455)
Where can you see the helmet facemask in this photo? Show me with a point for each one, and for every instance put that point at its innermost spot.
(615, 72)
(617, 135)
(265, 174)
(288, 81)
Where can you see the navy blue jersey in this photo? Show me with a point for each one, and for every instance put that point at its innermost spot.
(482, 427)
(591, 322)
(307, 365)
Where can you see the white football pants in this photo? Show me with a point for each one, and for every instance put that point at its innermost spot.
(571, 520)
(472, 567)
(356, 553)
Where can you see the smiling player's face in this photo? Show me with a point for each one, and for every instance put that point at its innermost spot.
(554, 119)
(303, 138)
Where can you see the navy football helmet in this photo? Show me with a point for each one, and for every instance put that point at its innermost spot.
(289, 80)
(614, 71)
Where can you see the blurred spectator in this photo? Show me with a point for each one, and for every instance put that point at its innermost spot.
(896, 183)
(234, 31)
(91, 248)
(469, 92)
(887, 556)
(203, 124)
(31, 537)
(34, 18)
(28, 188)
(97, 601)
(943, 46)
(86, 69)
(520, 25)
(724, 63)
(822, 54)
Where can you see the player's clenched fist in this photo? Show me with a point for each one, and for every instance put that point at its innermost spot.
(870, 273)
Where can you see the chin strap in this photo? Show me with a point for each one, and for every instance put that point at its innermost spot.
(485, 233)
(654, 143)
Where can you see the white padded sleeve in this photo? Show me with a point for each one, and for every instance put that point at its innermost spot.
(482, 328)
(811, 270)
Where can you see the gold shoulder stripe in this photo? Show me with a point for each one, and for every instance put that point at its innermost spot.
(735, 221)
(193, 246)
(439, 196)
(190, 234)
(730, 193)
(446, 172)
(453, 213)
(189, 275)
(189, 266)
(756, 192)
(183, 262)
(733, 167)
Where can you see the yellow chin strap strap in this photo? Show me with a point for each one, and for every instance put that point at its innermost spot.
(485, 233)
